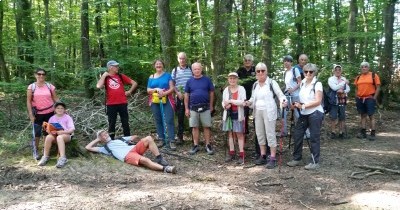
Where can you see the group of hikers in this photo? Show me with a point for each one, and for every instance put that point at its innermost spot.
(188, 93)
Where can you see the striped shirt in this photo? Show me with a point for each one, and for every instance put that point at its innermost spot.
(182, 76)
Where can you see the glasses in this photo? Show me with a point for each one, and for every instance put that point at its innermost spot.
(306, 72)
(262, 71)
(40, 74)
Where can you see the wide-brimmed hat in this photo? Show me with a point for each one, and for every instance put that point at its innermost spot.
(233, 74)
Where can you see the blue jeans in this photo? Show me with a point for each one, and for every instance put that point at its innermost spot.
(313, 122)
(168, 119)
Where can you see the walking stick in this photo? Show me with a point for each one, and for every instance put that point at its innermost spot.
(291, 127)
(34, 149)
(281, 140)
(163, 122)
(309, 146)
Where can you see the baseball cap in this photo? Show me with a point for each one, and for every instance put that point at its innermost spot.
(335, 66)
(233, 74)
(288, 58)
(112, 63)
(58, 103)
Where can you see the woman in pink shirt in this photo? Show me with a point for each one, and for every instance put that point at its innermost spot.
(61, 136)
(39, 102)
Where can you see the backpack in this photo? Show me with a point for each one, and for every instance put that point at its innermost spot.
(176, 69)
(301, 73)
(325, 98)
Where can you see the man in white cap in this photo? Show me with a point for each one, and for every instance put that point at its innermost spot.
(116, 96)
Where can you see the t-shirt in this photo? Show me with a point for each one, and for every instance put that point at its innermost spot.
(42, 98)
(160, 82)
(182, 76)
(115, 89)
(289, 82)
(262, 96)
(365, 85)
(307, 95)
(118, 148)
(199, 90)
(247, 79)
(234, 96)
(65, 121)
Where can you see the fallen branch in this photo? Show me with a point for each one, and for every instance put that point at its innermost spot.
(267, 184)
(378, 168)
(354, 174)
(305, 205)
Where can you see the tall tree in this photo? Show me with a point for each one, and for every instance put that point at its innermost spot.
(101, 53)
(166, 32)
(86, 48)
(387, 58)
(3, 68)
(352, 28)
(220, 36)
(339, 39)
(299, 20)
(268, 33)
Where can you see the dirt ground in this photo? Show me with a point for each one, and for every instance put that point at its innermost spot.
(206, 182)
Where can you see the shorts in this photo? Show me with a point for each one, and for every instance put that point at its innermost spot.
(39, 119)
(366, 107)
(203, 117)
(237, 126)
(338, 111)
(133, 156)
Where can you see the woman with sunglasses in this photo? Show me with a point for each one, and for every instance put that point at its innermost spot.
(264, 107)
(311, 116)
(40, 99)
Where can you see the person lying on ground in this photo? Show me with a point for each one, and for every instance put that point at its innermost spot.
(131, 154)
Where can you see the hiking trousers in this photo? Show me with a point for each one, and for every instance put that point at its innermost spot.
(112, 112)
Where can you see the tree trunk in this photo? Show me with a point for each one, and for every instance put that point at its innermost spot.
(49, 37)
(267, 34)
(352, 30)
(86, 48)
(239, 31)
(166, 33)
(222, 12)
(299, 20)
(193, 30)
(339, 40)
(101, 53)
(3, 68)
(387, 58)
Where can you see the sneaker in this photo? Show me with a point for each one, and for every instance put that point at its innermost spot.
(240, 161)
(333, 135)
(194, 150)
(260, 161)
(170, 169)
(162, 161)
(43, 160)
(271, 164)
(61, 162)
(293, 163)
(209, 149)
(172, 146)
(372, 137)
(312, 166)
(229, 158)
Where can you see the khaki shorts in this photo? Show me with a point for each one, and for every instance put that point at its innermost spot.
(135, 154)
(203, 117)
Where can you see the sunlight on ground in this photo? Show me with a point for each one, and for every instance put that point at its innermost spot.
(377, 151)
(380, 199)
(388, 134)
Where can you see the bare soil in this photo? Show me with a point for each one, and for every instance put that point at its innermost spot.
(207, 182)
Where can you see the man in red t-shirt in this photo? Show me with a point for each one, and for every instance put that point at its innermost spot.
(116, 100)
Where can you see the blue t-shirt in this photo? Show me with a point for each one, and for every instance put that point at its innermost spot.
(118, 148)
(160, 82)
(199, 90)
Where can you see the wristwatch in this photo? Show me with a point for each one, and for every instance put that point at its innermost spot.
(303, 106)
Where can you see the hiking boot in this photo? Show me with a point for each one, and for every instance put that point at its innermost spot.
(362, 134)
(43, 160)
(172, 146)
(61, 162)
(209, 149)
(312, 166)
(194, 150)
(162, 161)
(333, 135)
(271, 164)
(372, 137)
(229, 158)
(293, 163)
(260, 161)
(170, 169)
(341, 136)
(240, 161)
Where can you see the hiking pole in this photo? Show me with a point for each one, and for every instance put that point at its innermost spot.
(291, 127)
(281, 140)
(34, 149)
(163, 122)
(309, 146)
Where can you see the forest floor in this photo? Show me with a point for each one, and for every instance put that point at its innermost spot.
(207, 182)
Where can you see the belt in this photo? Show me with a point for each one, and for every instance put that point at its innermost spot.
(366, 97)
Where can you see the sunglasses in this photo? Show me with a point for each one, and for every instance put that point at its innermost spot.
(40, 74)
(262, 71)
(364, 66)
(306, 72)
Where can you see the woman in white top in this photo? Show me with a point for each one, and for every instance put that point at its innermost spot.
(233, 99)
(311, 116)
(265, 109)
